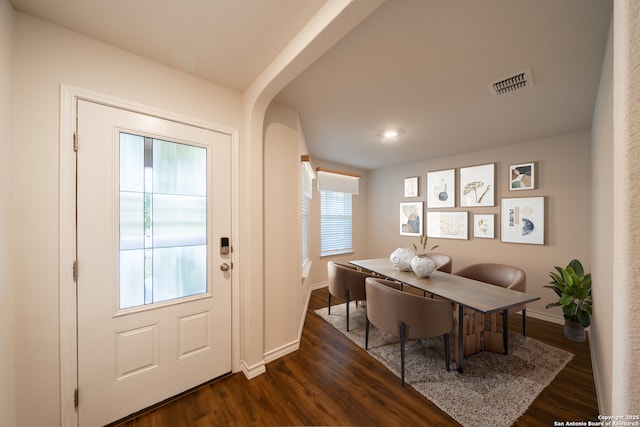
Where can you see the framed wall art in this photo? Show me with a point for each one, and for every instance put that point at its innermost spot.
(477, 185)
(522, 177)
(523, 220)
(411, 219)
(448, 225)
(441, 189)
(411, 187)
(483, 226)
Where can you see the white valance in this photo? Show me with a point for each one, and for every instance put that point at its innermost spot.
(338, 181)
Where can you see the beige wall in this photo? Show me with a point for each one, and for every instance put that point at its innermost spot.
(7, 291)
(602, 190)
(284, 293)
(45, 57)
(562, 177)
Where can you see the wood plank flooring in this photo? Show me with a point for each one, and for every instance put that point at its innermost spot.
(331, 381)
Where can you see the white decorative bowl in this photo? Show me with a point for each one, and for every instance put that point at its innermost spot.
(422, 266)
(401, 258)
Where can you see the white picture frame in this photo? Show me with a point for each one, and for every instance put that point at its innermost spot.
(477, 185)
(523, 220)
(411, 187)
(441, 189)
(411, 222)
(448, 225)
(484, 226)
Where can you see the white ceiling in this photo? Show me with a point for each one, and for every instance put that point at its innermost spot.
(421, 66)
(228, 42)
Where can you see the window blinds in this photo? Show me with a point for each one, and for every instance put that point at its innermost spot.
(306, 225)
(308, 175)
(335, 223)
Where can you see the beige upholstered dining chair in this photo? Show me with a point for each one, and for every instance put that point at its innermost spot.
(443, 262)
(406, 315)
(345, 281)
(503, 275)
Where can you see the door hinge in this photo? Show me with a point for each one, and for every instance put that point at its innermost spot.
(75, 141)
(75, 271)
(75, 398)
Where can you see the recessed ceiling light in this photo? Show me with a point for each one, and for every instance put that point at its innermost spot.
(390, 134)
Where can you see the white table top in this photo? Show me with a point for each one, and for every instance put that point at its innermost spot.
(479, 296)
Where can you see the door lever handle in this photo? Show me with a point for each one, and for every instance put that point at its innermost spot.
(224, 266)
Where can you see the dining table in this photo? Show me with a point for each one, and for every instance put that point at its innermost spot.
(482, 297)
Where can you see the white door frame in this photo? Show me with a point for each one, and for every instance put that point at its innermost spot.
(67, 234)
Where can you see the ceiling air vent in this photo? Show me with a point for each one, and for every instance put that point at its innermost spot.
(512, 83)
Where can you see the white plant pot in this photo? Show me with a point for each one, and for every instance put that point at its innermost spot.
(401, 258)
(422, 266)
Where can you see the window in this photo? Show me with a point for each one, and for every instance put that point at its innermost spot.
(335, 223)
(307, 177)
(336, 189)
(163, 220)
(306, 207)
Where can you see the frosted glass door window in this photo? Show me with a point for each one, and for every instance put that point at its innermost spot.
(163, 220)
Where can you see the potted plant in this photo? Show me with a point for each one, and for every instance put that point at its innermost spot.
(573, 288)
(423, 244)
(422, 265)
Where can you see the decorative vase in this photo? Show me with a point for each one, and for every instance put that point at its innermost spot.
(422, 265)
(401, 258)
(440, 190)
(574, 331)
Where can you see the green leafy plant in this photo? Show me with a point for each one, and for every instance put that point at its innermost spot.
(573, 288)
(423, 244)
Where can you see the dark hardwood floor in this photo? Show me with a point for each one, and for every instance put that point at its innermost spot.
(331, 381)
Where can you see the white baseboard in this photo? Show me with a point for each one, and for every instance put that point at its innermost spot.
(252, 371)
(304, 314)
(294, 345)
(543, 315)
(282, 351)
(319, 286)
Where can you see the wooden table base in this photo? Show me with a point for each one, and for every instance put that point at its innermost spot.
(492, 339)
(477, 335)
(473, 326)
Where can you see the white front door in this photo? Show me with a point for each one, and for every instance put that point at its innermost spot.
(154, 287)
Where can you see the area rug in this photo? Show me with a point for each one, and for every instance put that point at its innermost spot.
(494, 390)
